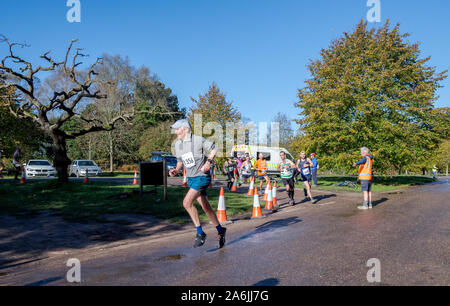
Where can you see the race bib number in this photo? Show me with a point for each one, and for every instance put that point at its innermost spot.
(305, 171)
(188, 160)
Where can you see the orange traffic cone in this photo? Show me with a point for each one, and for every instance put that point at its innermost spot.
(234, 187)
(135, 181)
(251, 189)
(274, 194)
(23, 178)
(221, 210)
(256, 207)
(185, 183)
(269, 201)
(86, 177)
(266, 192)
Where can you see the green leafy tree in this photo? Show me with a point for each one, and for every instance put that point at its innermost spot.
(214, 107)
(370, 88)
(19, 132)
(442, 156)
(156, 138)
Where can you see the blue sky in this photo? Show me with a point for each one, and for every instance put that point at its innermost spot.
(256, 50)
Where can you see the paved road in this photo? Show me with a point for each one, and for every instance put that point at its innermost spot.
(328, 244)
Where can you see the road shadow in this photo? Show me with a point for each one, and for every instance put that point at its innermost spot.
(44, 281)
(265, 227)
(378, 202)
(317, 198)
(267, 282)
(25, 239)
(324, 197)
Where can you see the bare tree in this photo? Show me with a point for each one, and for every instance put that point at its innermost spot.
(72, 89)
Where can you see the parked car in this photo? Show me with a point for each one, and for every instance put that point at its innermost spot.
(79, 168)
(37, 167)
(171, 161)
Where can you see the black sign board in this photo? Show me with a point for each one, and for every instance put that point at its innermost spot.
(153, 173)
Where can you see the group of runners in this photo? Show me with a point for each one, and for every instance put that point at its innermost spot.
(196, 155)
(290, 173)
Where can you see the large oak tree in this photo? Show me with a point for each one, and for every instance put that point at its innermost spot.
(70, 90)
(370, 88)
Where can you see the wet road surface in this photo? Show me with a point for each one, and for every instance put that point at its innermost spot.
(325, 244)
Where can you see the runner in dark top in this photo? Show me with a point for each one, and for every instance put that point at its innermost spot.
(229, 168)
(304, 165)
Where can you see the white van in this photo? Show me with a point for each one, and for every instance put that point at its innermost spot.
(271, 154)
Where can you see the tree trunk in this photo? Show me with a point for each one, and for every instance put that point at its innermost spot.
(90, 150)
(60, 161)
(111, 154)
(446, 171)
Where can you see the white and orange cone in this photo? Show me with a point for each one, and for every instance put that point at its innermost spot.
(266, 193)
(135, 181)
(234, 187)
(23, 178)
(257, 213)
(269, 201)
(221, 209)
(251, 189)
(274, 194)
(185, 183)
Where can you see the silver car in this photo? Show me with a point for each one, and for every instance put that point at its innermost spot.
(36, 167)
(79, 168)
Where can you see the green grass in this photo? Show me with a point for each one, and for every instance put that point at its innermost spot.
(380, 184)
(79, 202)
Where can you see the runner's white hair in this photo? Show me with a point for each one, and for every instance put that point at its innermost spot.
(365, 150)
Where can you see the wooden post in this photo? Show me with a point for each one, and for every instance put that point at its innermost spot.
(165, 178)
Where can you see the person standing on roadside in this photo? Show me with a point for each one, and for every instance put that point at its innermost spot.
(314, 168)
(190, 152)
(435, 171)
(365, 176)
(16, 163)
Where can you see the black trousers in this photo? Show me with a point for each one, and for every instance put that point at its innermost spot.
(16, 172)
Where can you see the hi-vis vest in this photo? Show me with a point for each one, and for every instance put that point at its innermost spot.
(365, 171)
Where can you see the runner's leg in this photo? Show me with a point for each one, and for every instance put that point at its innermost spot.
(308, 189)
(221, 231)
(203, 201)
(188, 204)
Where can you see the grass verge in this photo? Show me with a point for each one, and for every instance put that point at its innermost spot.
(79, 202)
